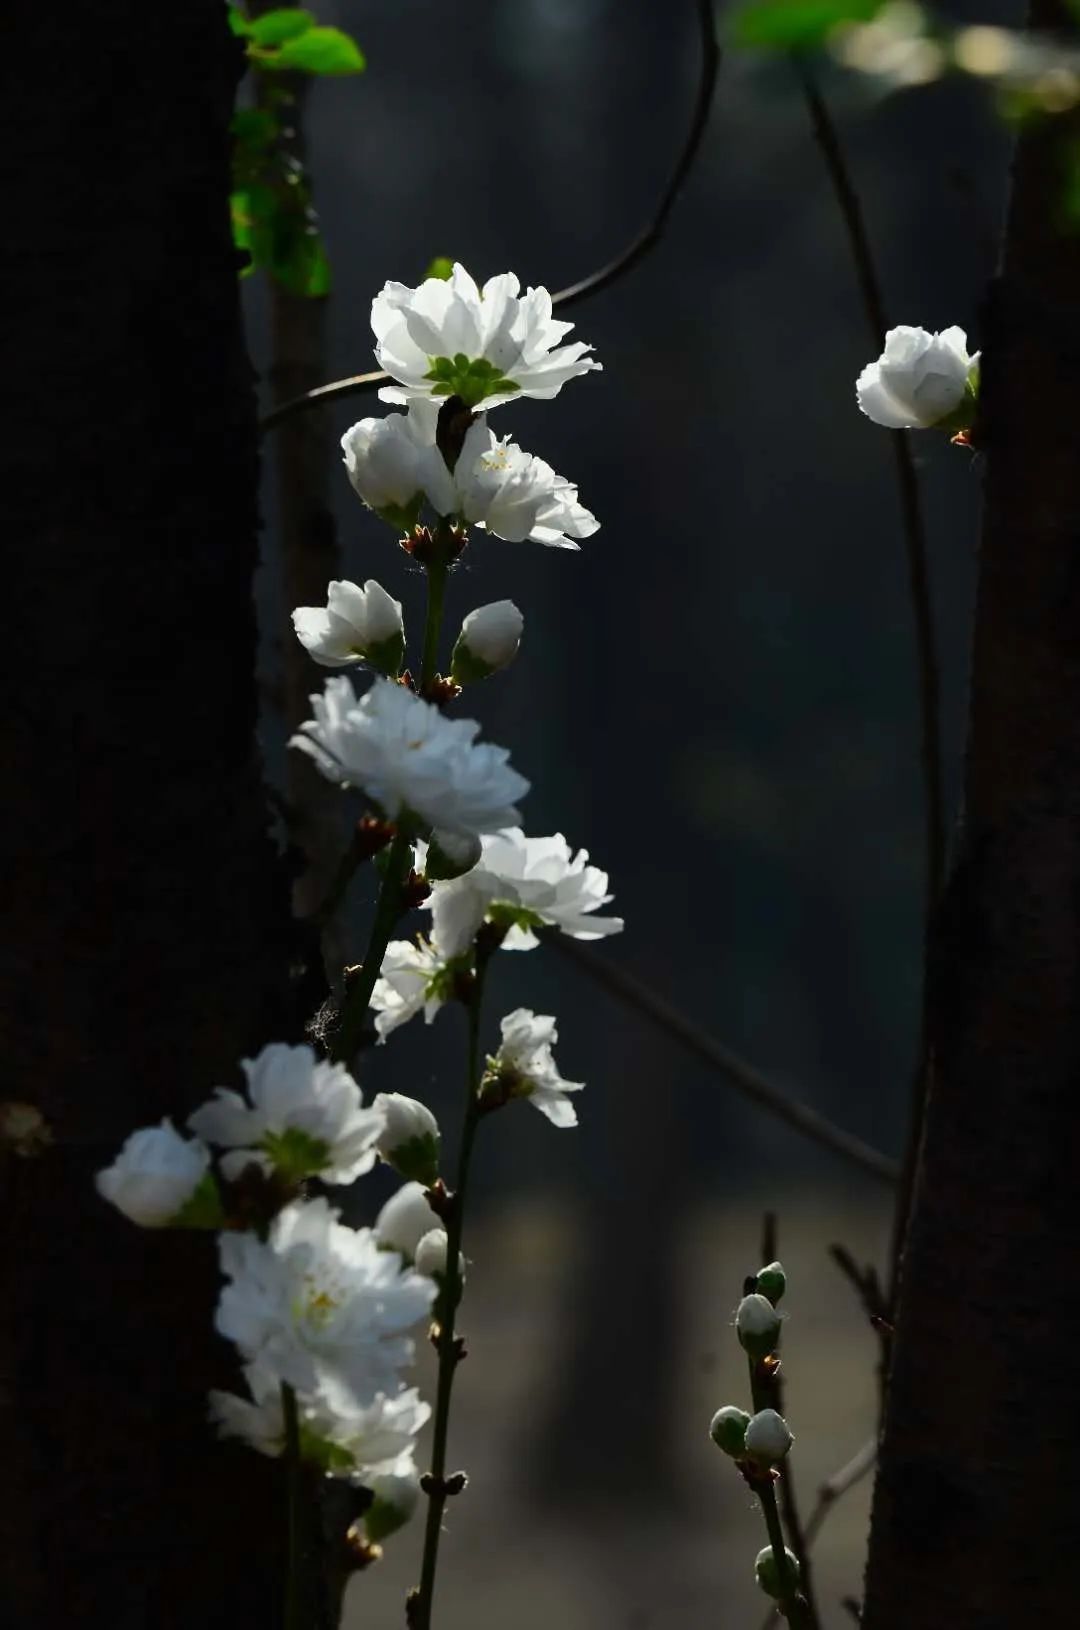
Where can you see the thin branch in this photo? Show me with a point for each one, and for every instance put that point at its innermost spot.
(922, 607)
(644, 1001)
(798, 1537)
(605, 276)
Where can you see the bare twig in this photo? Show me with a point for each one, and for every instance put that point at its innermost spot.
(919, 588)
(605, 276)
(797, 1537)
(647, 1004)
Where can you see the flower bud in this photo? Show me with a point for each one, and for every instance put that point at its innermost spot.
(450, 855)
(768, 1575)
(768, 1437)
(394, 1500)
(161, 1180)
(357, 625)
(386, 468)
(921, 380)
(772, 1282)
(404, 1220)
(728, 1430)
(757, 1325)
(410, 1142)
(489, 640)
(430, 1256)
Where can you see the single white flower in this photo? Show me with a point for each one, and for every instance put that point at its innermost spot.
(515, 495)
(757, 1324)
(919, 379)
(524, 1067)
(488, 641)
(404, 1220)
(156, 1175)
(317, 1300)
(340, 1437)
(304, 1114)
(431, 1255)
(408, 757)
(410, 1137)
(393, 463)
(449, 338)
(358, 625)
(768, 1437)
(395, 1495)
(412, 979)
(538, 879)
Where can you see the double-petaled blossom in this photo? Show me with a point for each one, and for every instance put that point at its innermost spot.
(920, 380)
(524, 1067)
(317, 1302)
(160, 1179)
(494, 483)
(357, 625)
(393, 463)
(413, 979)
(404, 1220)
(409, 758)
(527, 882)
(303, 1115)
(337, 1435)
(448, 337)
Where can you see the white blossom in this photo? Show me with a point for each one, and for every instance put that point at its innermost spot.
(393, 463)
(768, 1437)
(524, 1067)
(431, 1255)
(303, 1114)
(317, 1300)
(410, 1138)
(358, 625)
(919, 379)
(412, 980)
(336, 1434)
(537, 878)
(408, 757)
(488, 641)
(515, 495)
(494, 484)
(404, 1220)
(447, 337)
(155, 1175)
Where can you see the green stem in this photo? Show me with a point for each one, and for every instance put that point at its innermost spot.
(791, 1604)
(437, 571)
(446, 1345)
(294, 1579)
(387, 911)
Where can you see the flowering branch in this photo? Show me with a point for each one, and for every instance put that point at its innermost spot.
(625, 987)
(449, 1346)
(605, 276)
(919, 588)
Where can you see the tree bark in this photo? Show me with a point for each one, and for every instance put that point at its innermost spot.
(977, 1504)
(147, 925)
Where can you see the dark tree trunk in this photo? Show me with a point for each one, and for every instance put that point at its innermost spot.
(977, 1506)
(146, 932)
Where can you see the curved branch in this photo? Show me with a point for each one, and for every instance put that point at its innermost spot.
(605, 276)
(646, 1003)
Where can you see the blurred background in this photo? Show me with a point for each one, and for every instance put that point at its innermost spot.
(717, 698)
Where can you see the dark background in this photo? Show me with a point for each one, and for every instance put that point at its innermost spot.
(716, 697)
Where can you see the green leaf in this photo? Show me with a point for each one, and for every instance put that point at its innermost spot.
(796, 25)
(317, 51)
(238, 23)
(440, 267)
(275, 27)
(254, 127)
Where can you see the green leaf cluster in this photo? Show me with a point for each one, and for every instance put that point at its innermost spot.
(796, 25)
(291, 40)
